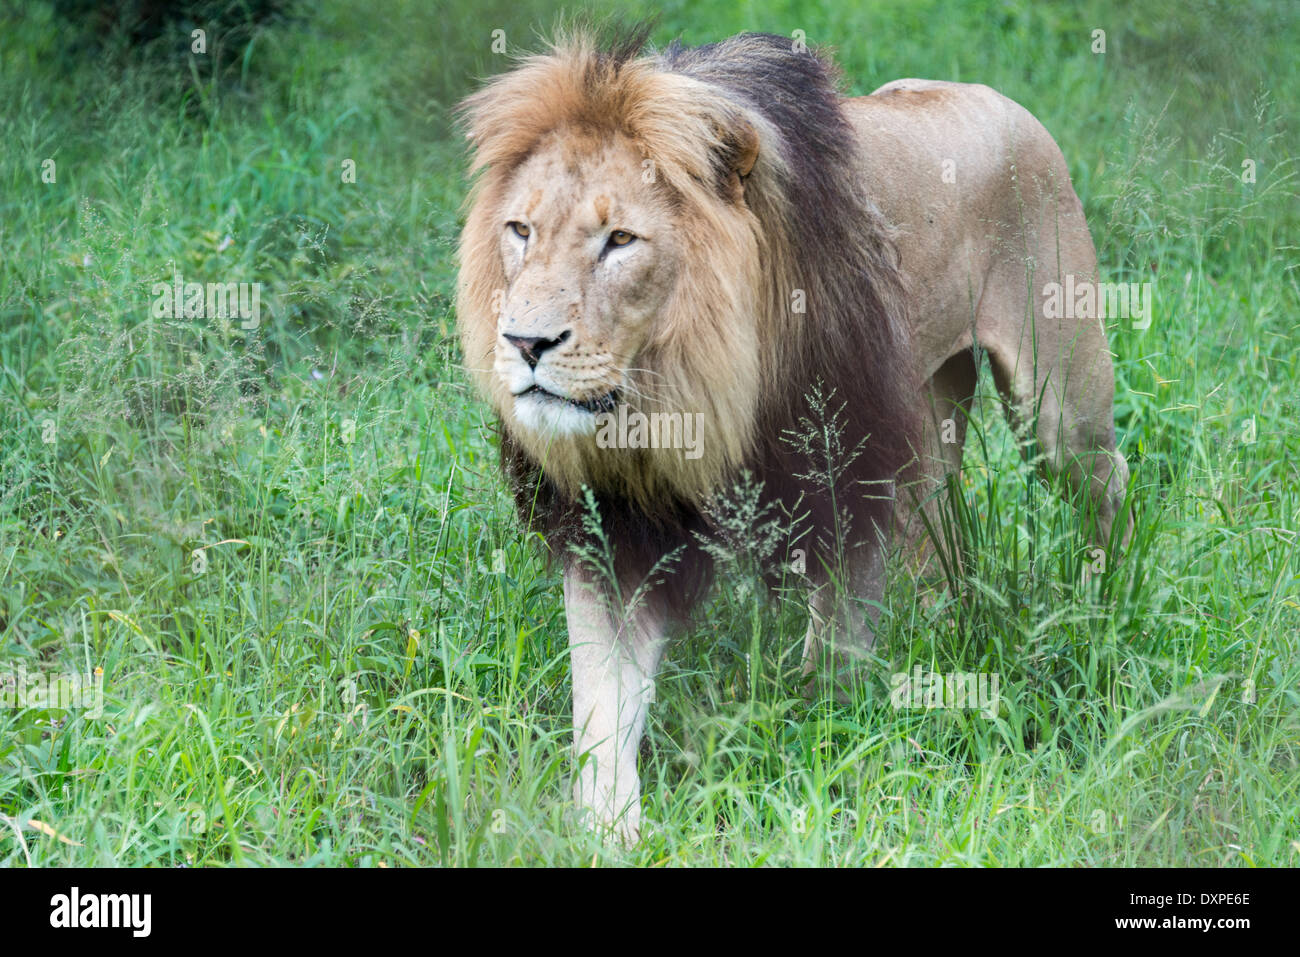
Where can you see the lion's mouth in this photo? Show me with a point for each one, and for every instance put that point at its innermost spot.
(604, 403)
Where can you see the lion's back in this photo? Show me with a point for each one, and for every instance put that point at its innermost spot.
(934, 137)
(959, 171)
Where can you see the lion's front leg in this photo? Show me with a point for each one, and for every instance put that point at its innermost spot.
(842, 620)
(614, 657)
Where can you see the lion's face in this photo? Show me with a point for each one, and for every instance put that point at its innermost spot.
(591, 259)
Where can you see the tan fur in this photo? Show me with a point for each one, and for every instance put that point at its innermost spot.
(976, 255)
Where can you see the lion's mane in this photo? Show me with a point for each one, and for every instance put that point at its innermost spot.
(798, 229)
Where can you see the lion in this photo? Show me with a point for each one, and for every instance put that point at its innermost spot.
(715, 236)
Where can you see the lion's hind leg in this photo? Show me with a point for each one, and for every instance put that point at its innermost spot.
(1056, 375)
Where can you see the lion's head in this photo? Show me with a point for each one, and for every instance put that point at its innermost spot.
(674, 235)
(604, 265)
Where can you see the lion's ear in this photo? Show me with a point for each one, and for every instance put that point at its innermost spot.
(739, 156)
(745, 138)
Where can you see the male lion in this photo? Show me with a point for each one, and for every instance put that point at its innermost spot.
(715, 235)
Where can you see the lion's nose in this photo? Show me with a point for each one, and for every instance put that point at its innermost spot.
(532, 347)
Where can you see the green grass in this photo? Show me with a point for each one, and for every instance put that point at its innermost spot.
(326, 640)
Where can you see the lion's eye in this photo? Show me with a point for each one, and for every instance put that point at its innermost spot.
(522, 230)
(620, 237)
